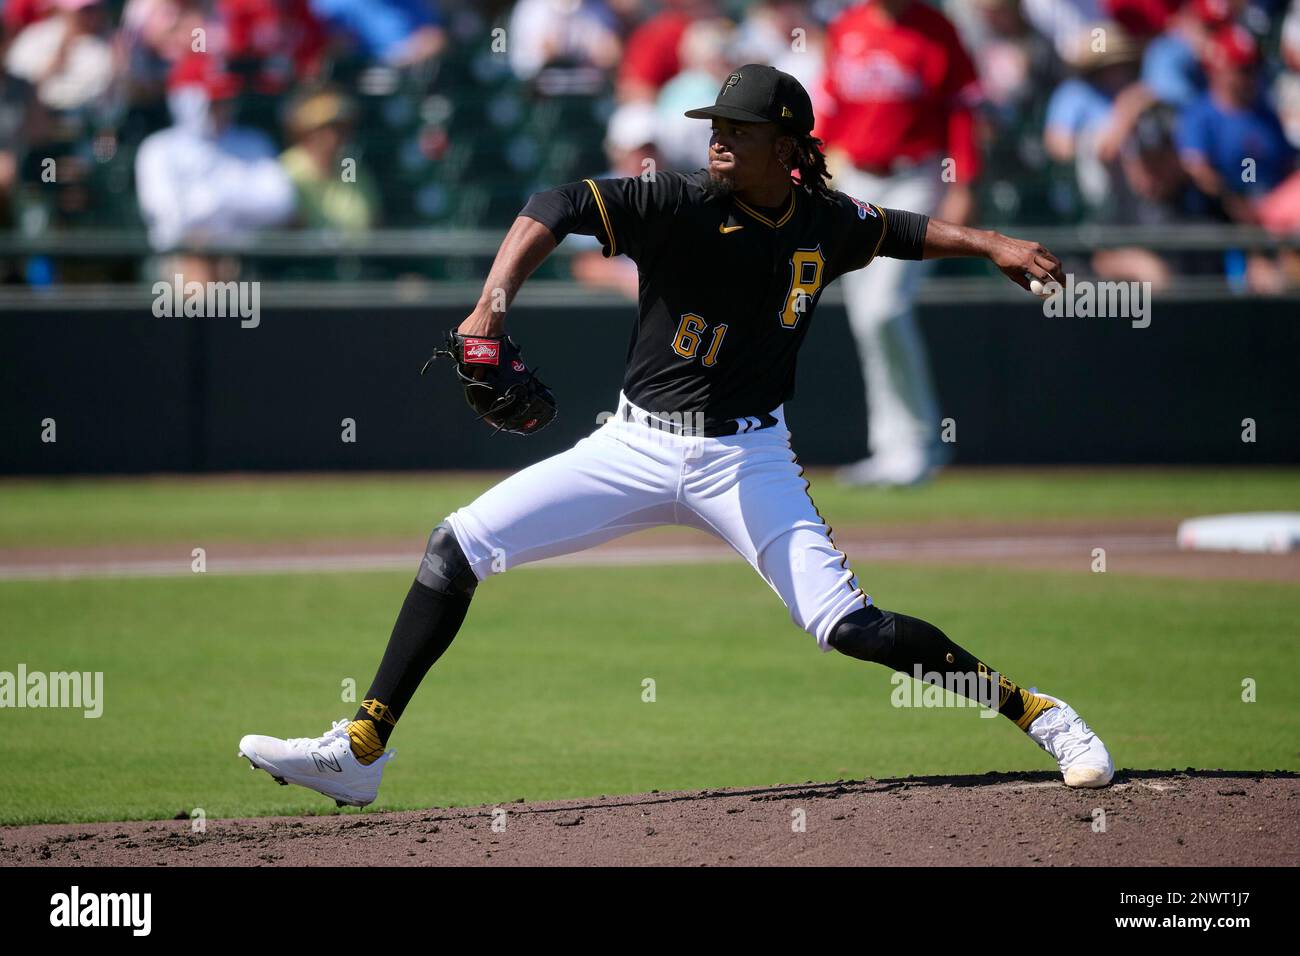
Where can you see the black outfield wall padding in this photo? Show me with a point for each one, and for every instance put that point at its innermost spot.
(129, 392)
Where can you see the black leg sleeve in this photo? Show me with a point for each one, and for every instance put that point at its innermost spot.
(908, 643)
(434, 609)
(425, 628)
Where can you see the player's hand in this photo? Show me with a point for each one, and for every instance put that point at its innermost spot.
(484, 323)
(1022, 261)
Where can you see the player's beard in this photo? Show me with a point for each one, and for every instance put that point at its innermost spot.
(719, 187)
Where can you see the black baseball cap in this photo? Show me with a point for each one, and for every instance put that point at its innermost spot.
(757, 93)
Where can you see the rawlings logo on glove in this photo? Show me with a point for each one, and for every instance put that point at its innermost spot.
(481, 351)
(498, 385)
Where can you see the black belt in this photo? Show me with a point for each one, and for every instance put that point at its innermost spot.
(690, 425)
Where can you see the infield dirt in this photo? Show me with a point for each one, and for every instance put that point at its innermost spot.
(1146, 818)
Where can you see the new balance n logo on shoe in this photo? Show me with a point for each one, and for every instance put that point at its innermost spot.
(327, 763)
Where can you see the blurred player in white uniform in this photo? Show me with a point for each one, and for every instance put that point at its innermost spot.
(899, 127)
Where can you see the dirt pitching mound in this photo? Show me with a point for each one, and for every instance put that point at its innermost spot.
(1196, 818)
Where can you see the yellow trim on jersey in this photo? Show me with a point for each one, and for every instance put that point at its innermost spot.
(604, 216)
(883, 229)
(750, 210)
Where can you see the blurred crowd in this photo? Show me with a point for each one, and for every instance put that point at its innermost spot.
(206, 120)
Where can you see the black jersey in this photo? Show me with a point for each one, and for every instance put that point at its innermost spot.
(727, 290)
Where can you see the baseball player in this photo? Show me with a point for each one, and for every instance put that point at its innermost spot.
(732, 259)
(899, 127)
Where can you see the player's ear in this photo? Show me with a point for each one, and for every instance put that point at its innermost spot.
(785, 151)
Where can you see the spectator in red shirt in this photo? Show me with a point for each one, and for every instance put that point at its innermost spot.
(899, 125)
(273, 43)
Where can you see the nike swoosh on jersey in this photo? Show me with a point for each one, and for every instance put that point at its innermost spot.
(728, 229)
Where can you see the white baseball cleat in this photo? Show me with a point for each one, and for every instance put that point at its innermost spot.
(1060, 731)
(325, 764)
(896, 468)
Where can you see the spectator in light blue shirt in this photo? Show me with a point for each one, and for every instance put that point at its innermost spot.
(1076, 107)
(1083, 110)
(1171, 64)
(1172, 70)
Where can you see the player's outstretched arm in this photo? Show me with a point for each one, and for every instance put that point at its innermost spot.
(524, 248)
(1020, 260)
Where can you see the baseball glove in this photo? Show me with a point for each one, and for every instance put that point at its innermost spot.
(498, 385)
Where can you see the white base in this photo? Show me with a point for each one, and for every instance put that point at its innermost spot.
(1265, 532)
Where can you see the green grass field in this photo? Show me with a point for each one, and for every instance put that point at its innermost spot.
(275, 508)
(541, 695)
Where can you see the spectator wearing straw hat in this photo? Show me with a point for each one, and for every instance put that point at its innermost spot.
(1082, 110)
(332, 191)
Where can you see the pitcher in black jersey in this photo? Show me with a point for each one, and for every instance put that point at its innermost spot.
(732, 260)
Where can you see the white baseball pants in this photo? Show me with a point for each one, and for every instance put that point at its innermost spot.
(746, 489)
(902, 410)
